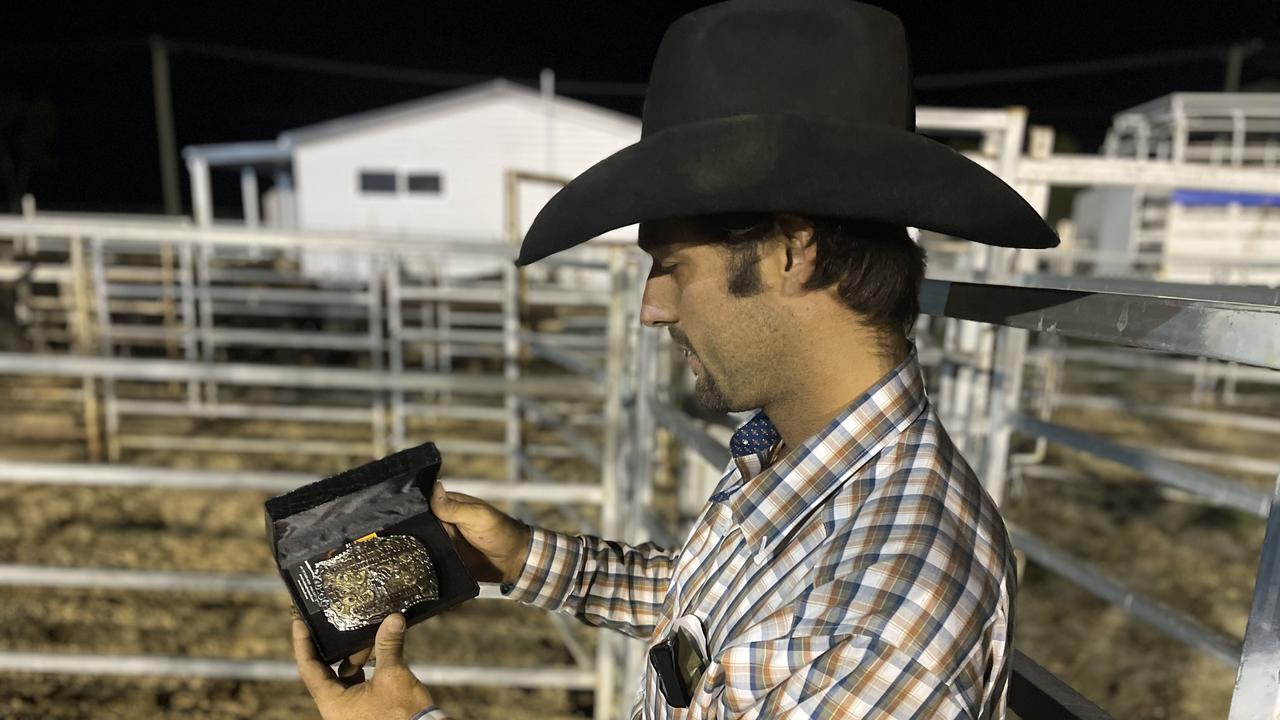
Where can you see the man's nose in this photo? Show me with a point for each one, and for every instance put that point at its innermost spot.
(657, 305)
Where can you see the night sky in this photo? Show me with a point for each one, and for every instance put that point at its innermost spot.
(76, 92)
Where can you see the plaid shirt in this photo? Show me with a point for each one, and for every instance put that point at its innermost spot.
(865, 574)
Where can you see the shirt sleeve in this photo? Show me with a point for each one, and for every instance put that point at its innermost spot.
(602, 583)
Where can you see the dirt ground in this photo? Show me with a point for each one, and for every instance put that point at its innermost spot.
(1200, 560)
(216, 531)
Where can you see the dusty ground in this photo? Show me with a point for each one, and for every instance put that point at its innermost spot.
(1197, 559)
(213, 531)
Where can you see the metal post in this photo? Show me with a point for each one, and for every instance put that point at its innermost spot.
(607, 647)
(395, 349)
(111, 413)
(1180, 132)
(186, 272)
(30, 243)
(288, 202)
(1006, 391)
(444, 323)
(164, 125)
(249, 196)
(511, 370)
(378, 410)
(201, 198)
(638, 478)
(511, 331)
(83, 342)
(209, 353)
(1257, 692)
(1235, 65)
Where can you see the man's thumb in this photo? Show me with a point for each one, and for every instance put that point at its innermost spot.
(444, 507)
(448, 508)
(388, 644)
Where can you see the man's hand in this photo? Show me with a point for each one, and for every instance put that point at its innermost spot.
(393, 693)
(493, 544)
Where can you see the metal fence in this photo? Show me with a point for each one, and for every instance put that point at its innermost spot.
(145, 328)
(152, 320)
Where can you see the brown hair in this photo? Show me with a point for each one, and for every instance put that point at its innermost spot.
(876, 267)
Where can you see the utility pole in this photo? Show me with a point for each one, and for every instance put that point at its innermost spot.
(164, 125)
(1237, 53)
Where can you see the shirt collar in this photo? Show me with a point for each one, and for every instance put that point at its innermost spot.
(767, 507)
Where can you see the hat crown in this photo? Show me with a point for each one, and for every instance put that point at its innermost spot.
(826, 59)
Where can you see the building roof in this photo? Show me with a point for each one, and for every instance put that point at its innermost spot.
(263, 153)
(1211, 104)
(453, 100)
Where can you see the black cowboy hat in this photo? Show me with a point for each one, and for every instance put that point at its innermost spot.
(799, 106)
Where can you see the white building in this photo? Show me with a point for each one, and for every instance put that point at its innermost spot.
(1186, 234)
(436, 166)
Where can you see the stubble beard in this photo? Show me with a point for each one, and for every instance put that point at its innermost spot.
(707, 392)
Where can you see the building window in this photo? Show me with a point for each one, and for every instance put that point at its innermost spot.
(424, 183)
(377, 181)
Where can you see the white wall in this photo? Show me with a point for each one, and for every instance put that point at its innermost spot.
(471, 147)
(1103, 217)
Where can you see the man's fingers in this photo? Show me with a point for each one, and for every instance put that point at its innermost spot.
(389, 642)
(351, 669)
(357, 660)
(315, 675)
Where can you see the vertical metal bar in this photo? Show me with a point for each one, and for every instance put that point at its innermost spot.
(83, 343)
(444, 324)
(946, 396)
(427, 311)
(966, 339)
(640, 469)
(208, 351)
(189, 343)
(111, 412)
(378, 404)
(168, 310)
(511, 369)
(249, 196)
(606, 660)
(1257, 691)
(1180, 132)
(1230, 395)
(1238, 135)
(1006, 392)
(1006, 348)
(979, 407)
(395, 347)
(511, 306)
(201, 199)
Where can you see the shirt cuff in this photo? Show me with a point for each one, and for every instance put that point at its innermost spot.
(551, 571)
(435, 712)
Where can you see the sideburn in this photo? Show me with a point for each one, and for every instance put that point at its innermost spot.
(743, 269)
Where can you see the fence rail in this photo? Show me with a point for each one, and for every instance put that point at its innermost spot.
(181, 308)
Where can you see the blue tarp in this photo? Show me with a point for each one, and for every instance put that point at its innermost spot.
(1216, 198)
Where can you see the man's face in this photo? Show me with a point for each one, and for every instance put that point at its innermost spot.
(728, 339)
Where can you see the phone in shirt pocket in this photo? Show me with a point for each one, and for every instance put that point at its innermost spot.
(680, 661)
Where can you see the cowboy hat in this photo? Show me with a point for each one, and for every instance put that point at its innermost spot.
(798, 106)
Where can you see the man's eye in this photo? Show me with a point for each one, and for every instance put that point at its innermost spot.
(660, 270)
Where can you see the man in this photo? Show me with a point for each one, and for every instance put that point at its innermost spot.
(849, 563)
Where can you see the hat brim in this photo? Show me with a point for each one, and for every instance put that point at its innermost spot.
(787, 163)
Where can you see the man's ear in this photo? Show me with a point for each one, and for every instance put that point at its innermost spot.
(800, 252)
